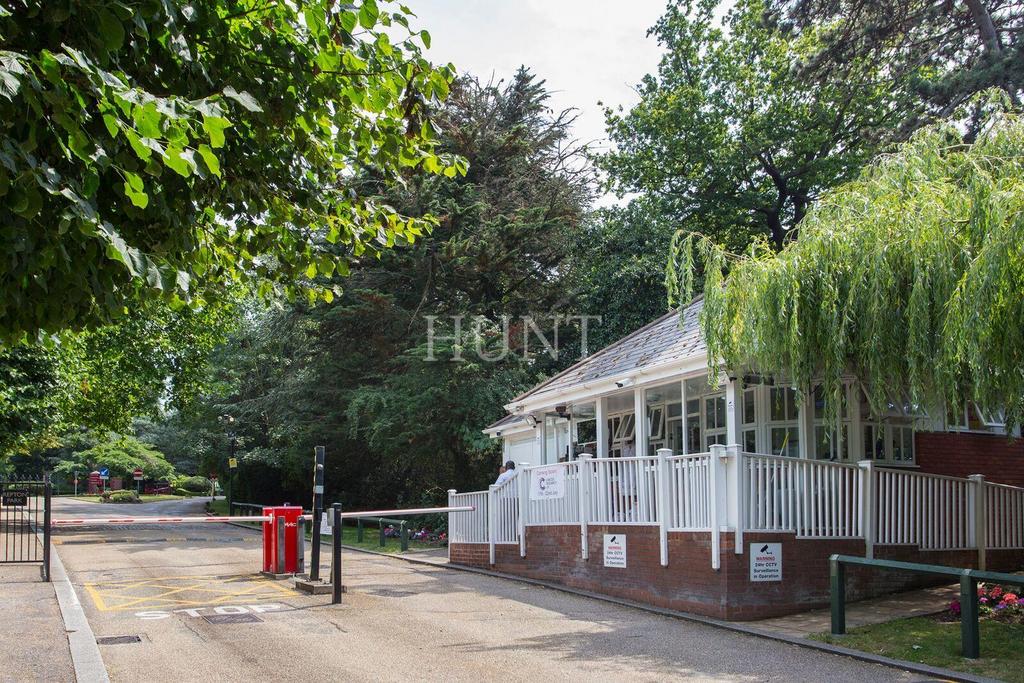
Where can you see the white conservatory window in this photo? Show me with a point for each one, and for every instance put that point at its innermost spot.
(783, 423)
(889, 438)
(831, 441)
(748, 420)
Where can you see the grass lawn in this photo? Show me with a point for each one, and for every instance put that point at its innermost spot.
(145, 498)
(371, 535)
(928, 641)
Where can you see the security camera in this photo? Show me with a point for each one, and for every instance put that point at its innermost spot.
(621, 383)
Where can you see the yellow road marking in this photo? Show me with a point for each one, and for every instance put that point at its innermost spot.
(138, 594)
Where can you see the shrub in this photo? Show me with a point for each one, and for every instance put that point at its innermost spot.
(192, 484)
(121, 497)
(182, 492)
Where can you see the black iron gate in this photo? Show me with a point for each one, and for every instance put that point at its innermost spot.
(25, 521)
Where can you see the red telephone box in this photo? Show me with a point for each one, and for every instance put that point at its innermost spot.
(281, 540)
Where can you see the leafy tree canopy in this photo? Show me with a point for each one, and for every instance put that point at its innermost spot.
(121, 454)
(728, 140)
(355, 374)
(910, 277)
(103, 378)
(166, 150)
(942, 52)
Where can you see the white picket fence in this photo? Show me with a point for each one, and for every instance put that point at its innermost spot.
(1004, 522)
(689, 492)
(468, 527)
(930, 511)
(812, 498)
(727, 490)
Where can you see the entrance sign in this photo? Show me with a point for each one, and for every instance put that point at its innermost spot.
(104, 473)
(547, 482)
(766, 562)
(15, 498)
(615, 550)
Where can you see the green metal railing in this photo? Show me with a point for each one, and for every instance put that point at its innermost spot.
(403, 526)
(970, 637)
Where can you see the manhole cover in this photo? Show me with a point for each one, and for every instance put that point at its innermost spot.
(232, 618)
(391, 593)
(118, 640)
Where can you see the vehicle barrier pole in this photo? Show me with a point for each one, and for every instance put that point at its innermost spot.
(405, 535)
(318, 506)
(336, 556)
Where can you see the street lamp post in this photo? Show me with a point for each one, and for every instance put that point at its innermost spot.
(229, 422)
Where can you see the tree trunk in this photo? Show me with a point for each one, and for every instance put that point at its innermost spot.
(986, 29)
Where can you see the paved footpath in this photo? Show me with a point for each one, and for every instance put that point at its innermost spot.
(193, 598)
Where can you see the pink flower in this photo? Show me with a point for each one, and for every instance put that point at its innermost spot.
(996, 592)
(1010, 598)
(983, 601)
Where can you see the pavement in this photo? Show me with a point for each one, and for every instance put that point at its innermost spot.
(916, 603)
(35, 646)
(187, 603)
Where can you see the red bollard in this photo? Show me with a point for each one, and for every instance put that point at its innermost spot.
(281, 540)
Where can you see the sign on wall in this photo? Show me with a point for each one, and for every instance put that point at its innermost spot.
(547, 482)
(615, 550)
(766, 562)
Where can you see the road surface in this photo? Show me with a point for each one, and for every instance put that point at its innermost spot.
(195, 602)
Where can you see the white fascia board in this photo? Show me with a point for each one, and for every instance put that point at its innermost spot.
(500, 432)
(592, 390)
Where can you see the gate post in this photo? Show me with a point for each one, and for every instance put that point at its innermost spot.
(714, 493)
(336, 556)
(970, 646)
(980, 514)
(868, 507)
(492, 522)
(524, 506)
(583, 477)
(663, 492)
(318, 506)
(47, 494)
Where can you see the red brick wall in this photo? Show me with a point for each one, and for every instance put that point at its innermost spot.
(958, 454)
(689, 583)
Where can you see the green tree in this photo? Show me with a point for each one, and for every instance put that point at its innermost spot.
(728, 140)
(121, 455)
(908, 277)
(166, 150)
(940, 52)
(355, 375)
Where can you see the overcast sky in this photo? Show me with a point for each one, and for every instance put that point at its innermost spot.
(587, 50)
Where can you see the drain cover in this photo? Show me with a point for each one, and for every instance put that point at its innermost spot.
(118, 640)
(391, 593)
(232, 618)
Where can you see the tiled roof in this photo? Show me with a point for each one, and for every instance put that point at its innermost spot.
(506, 421)
(666, 339)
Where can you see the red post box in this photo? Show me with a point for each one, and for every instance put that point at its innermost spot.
(281, 539)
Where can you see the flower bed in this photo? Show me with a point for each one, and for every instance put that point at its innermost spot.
(994, 602)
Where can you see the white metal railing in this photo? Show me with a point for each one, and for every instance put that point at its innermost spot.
(622, 490)
(748, 492)
(505, 499)
(1004, 522)
(931, 511)
(468, 527)
(814, 499)
(689, 486)
(564, 510)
